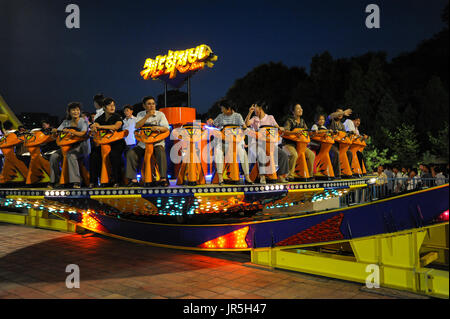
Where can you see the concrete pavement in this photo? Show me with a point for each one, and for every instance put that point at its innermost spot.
(33, 265)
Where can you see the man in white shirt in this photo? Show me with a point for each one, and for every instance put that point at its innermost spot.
(351, 125)
(228, 116)
(156, 119)
(129, 123)
(98, 104)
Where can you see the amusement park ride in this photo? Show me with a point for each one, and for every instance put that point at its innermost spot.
(326, 226)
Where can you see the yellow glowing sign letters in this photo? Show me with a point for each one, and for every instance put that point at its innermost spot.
(181, 61)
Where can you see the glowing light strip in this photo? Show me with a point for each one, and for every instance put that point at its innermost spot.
(218, 194)
(358, 186)
(115, 196)
(306, 190)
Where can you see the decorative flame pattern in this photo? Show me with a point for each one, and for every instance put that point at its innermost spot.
(327, 230)
(89, 221)
(235, 239)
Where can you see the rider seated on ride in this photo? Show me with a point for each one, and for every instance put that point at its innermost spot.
(351, 125)
(229, 117)
(320, 123)
(1, 153)
(318, 126)
(78, 150)
(156, 119)
(21, 150)
(293, 122)
(50, 146)
(335, 124)
(262, 119)
(109, 120)
(6, 128)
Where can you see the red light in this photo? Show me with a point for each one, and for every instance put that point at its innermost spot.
(444, 216)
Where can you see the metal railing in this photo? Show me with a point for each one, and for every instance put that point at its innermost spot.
(379, 189)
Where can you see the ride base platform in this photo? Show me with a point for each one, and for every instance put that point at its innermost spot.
(328, 228)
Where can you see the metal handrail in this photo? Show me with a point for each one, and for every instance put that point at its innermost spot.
(389, 187)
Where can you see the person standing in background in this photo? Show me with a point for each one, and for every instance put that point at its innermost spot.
(87, 117)
(390, 178)
(129, 123)
(98, 104)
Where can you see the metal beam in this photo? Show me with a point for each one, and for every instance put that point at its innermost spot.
(397, 256)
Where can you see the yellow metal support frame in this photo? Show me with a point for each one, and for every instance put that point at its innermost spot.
(38, 218)
(397, 255)
(6, 114)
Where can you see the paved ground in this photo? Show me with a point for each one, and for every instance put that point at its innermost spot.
(33, 263)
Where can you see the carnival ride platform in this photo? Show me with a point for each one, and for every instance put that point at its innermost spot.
(295, 226)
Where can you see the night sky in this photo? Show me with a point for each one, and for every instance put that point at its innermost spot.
(44, 65)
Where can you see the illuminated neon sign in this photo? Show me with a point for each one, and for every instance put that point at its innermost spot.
(184, 61)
